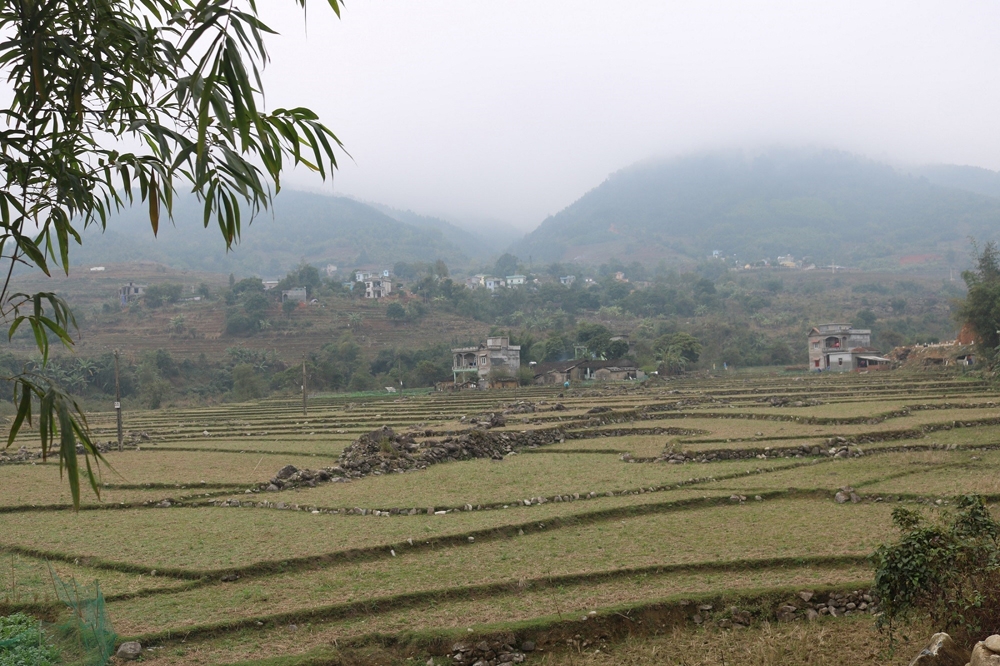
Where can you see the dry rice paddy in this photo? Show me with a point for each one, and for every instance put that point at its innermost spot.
(481, 546)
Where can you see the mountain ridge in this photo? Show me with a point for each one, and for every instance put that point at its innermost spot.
(827, 205)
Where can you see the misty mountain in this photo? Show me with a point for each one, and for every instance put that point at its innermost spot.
(471, 242)
(300, 227)
(826, 205)
(968, 178)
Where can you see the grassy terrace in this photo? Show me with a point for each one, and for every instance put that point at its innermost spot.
(652, 532)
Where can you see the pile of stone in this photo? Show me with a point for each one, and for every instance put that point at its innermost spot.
(488, 420)
(489, 653)
(809, 606)
(785, 401)
(19, 456)
(675, 457)
(846, 494)
(519, 407)
(384, 451)
(290, 476)
(805, 606)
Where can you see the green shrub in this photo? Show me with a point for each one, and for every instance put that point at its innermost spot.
(949, 571)
(247, 385)
(22, 642)
(158, 294)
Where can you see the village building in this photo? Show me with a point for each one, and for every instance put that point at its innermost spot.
(582, 370)
(377, 287)
(496, 359)
(515, 280)
(485, 281)
(567, 280)
(297, 295)
(130, 293)
(364, 275)
(270, 284)
(843, 348)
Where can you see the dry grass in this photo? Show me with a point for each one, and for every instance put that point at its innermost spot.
(980, 476)
(843, 641)
(27, 579)
(710, 535)
(218, 538)
(40, 485)
(836, 473)
(486, 614)
(517, 477)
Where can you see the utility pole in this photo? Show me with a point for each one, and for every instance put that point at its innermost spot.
(304, 412)
(118, 404)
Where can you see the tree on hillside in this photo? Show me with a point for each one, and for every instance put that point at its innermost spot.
(396, 312)
(981, 308)
(506, 265)
(115, 103)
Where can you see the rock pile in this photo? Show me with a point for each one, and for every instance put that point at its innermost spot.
(785, 401)
(489, 653)
(519, 407)
(21, 455)
(846, 494)
(809, 606)
(489, 420)
(290, 476)
(805, 606)
(384, 451)
(676, 457)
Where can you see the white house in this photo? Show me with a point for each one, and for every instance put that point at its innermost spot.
(377, 287)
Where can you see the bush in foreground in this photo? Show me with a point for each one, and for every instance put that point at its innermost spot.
(948, 570)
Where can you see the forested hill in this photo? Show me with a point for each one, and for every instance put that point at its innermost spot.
(826, 205)
(301, 227)
(969, 178)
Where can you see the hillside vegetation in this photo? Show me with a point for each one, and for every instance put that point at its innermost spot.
(301, 227)
(830, 206)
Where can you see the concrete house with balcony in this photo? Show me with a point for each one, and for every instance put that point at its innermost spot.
(843, 348)
(475, 364)
(130, 293)
(377, 287)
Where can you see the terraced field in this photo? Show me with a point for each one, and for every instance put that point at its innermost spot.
(622, 513)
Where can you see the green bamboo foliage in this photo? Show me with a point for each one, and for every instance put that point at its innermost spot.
(119, 102)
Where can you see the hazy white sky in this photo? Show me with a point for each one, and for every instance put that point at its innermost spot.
(512, 110)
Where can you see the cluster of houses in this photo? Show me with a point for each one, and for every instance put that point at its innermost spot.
(492, 283)
(496, 364)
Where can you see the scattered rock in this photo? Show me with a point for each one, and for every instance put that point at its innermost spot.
(129, 651)
(941, 651)
(983, 654)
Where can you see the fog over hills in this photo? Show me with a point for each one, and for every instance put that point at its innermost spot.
(827, 205)
(301, 227)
